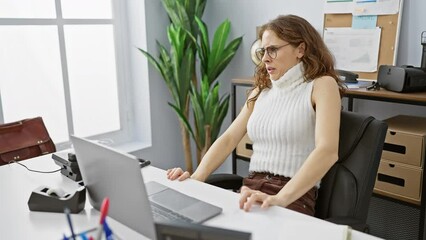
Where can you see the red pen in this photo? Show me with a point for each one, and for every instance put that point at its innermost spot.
(104, 212)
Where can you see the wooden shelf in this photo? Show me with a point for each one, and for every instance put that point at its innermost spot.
(385, 95)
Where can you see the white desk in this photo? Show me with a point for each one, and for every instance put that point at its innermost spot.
(18, 222)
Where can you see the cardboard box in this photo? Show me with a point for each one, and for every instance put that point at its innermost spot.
(399, 181)
(405, 140)
(245, 147)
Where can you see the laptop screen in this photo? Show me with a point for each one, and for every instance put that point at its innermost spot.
(109, 173)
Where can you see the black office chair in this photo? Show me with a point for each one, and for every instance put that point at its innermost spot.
(346, 189)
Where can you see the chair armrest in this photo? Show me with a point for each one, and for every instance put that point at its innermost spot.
(352, 222)
(226, 181)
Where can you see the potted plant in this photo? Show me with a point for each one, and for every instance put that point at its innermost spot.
(178, 69)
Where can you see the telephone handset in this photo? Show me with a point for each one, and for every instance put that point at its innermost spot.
(347, 76)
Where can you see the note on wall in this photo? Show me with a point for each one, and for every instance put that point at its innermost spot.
(338, 7)
(354, 49)
(364, 22)
(362, 7)
(379, 7)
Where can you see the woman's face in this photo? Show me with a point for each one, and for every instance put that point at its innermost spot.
(286, 56)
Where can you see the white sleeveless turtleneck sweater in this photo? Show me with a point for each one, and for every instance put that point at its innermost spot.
(282, 125)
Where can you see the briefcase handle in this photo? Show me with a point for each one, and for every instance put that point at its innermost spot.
(8, 127)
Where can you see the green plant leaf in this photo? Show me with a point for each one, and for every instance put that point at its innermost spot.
(219, 42)
(176, 43)
(183, 119)
(200, 5)
(167, 66)
(223, 110)
(198, 112)
(224, 59)
(163, 67)
(154, 62)
(185, 75)
(183, 16)
(204, 45)
(213, 103)
(188, 37)
(177, 13)
(194, 8)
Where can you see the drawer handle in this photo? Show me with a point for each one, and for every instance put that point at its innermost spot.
(249, 146)
(391, 179)
(392, 132)
(391, 165)
(394, 148)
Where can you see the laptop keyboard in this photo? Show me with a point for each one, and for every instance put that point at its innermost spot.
(163, 214)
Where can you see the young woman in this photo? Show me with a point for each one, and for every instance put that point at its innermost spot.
(292, 117)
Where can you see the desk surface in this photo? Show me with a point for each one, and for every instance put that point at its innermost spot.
(384, 94)
(17, 222)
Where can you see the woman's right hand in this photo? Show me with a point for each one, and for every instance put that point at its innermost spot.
(177, 173)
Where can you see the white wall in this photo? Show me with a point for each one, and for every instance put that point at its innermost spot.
(139, 90)
(166, 150)
(413, 23)
(245, 15)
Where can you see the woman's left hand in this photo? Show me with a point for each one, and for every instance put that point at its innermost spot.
(250, 197)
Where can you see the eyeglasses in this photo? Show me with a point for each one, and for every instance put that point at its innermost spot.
(375, 86)
(271, 50)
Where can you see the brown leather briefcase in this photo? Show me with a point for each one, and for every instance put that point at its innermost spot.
(24, 139)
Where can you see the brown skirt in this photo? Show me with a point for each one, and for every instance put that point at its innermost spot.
(271, 184)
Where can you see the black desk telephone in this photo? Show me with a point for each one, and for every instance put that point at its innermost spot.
(347, 77)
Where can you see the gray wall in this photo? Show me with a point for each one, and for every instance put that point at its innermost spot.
(245, 15)
(166, 150)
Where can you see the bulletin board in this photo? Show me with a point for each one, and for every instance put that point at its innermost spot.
(388, 48)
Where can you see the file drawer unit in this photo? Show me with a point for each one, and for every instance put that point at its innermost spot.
(244, 148)
(402, 218)
(400, 174)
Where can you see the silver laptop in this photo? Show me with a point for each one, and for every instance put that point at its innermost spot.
(109, 173)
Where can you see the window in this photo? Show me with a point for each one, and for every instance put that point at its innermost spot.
(63, 60)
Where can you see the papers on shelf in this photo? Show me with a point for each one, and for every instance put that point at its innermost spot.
(360, 84)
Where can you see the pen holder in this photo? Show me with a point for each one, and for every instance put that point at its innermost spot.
(41, 200)
(92, 232)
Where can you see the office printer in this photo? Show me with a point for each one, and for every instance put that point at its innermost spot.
(402, 79)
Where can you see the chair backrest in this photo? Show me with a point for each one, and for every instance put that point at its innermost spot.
(347, 187)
